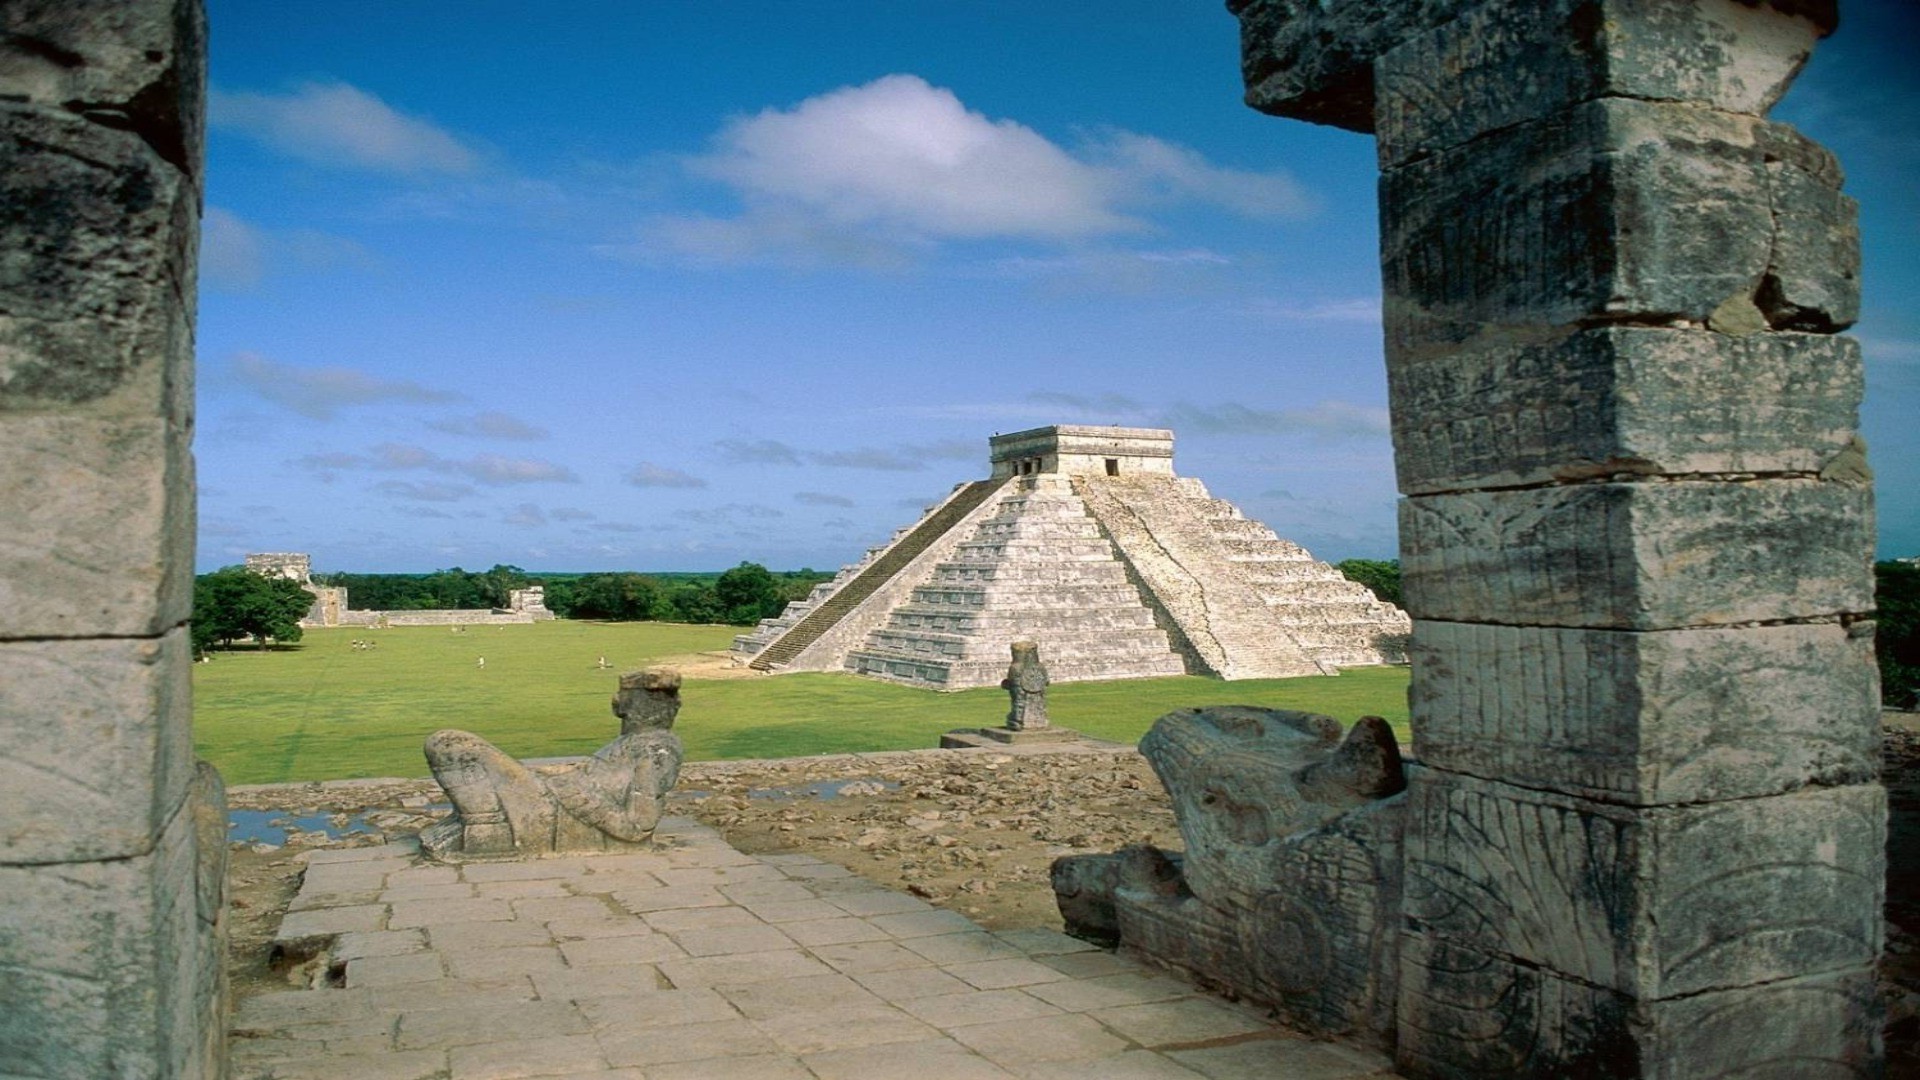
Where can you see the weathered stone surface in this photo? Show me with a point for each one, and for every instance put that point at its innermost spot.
(1508, 63)
(1289, 886)
(1317, 61)
(609, 802)
(1642, 718)
(98, 534)
(119, 970)
(1639, 556)
(1612, 400)
(1466, 1014)
(137, 67)
(101, 235)
(1651, 903)
(1026, 687)
(1626, 210)
(98, 750)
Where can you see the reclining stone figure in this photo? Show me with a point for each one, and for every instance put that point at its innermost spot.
(1290, 882)
(608, 802)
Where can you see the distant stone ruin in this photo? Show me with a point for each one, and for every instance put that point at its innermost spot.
(1084, 541)
(611, 801)
(528, 605)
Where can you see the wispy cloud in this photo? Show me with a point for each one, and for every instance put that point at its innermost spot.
(730, 514)
(320, 393)
(569, 513)
(874, 175)
(907, 457)
(489, 425)
(525, 516)
(820, 498)
(236, 255)
(424, 490)
(335, 124)
(647, 474)
(489, 469)
(1326, 418)
(756, 452)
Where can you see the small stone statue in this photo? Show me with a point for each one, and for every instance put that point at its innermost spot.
(609, 802)
(1026, 685)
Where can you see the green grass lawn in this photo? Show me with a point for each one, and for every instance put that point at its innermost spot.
(323, 710)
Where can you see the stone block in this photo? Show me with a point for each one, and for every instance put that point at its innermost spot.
(1466, 1014)
(1316, 61)
(1615, 209)
(1650, 903)
(1639, 556)
(1507, 62)
(96, 313)
(96, 746)
(1611, 400)
(112, 968)
(1666, 717)
(138, 67)
(98, 534)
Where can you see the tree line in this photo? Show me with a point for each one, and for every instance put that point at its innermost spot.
(742, 596)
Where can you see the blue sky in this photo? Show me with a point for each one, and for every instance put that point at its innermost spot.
(670, 285)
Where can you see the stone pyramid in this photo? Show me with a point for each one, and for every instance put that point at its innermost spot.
(1084, 541)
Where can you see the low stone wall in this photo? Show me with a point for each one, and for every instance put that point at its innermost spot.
(457, 617)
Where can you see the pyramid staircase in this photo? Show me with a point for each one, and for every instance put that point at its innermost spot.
(779, 641)
(1250, 604)
(1038, 568)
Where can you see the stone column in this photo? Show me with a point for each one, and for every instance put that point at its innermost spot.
(1647, 837)
(112, 840)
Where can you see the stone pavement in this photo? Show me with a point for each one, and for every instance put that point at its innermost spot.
(698, 961)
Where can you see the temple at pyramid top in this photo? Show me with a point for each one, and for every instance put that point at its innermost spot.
(1084, 540)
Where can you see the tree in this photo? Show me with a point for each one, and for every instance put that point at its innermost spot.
(233, 603)
(1896, 596)
(748, 593)
(624, 596)
(1380, 575)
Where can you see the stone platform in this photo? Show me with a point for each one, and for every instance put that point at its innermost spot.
(698, 961)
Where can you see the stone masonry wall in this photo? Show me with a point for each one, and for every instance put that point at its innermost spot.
(112, 838)
(1647, 840)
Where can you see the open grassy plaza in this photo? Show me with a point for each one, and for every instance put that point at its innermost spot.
(323, 709)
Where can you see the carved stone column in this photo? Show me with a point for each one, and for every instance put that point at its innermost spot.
(1647, 837)
(112, 840)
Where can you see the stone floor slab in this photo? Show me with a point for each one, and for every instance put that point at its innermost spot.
(395, 970)
(1186, 1020)
(741, 968)
(805, 994)
(462, 937)
(728, 940)
(669, 1008)
(686, 1042)
(550, 909)
(1000, 974)
(674, 920)
(445, 912)
(643, 901)
(513, 1060)
(489, 1023)
(404, 1065)
(628, 949)
(500, 964)
(833, 931)
(963, 948)
(977, 1007)
(605, 927)
(1067, 1037)
(608, 981)
(1110, 991)
(842, 1028)
(1293, 1058)
(1125, 1065)
(863, 956)
(906, 984)
(757, 1067)
(943, 1059)
(785, 911)
(323, 922)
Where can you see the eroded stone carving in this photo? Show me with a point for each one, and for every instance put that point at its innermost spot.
(1026, 685)
(608, 802)
(1289, 886)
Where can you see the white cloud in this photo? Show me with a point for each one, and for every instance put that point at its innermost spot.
(820, 498)
(526, 515)
(647, 474)
(490, 469)
(236, 255)
(488, 425)
(340, 125)
(319, 393)
(872, 175)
